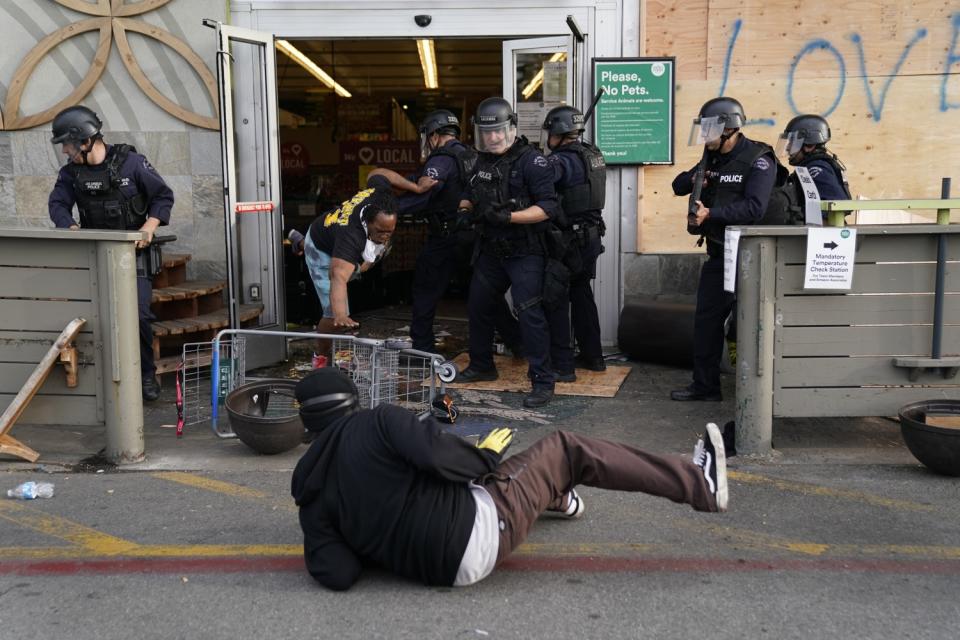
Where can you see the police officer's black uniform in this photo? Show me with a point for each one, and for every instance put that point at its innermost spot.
(118, 194)
(508, 254)
(828, 173)
(738, 185)
(450, 238)
(580, 181)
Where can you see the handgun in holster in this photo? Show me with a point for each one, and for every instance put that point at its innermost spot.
(150, 258)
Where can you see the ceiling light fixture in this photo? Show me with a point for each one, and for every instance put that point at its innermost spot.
(537, 80)
(428, 60)
(312, 68)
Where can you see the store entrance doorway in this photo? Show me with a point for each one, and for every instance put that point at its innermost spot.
(365, 115)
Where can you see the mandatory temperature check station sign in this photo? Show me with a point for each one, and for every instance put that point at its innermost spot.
(830, 257)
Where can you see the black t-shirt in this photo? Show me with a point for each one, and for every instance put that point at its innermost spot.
(340, 233)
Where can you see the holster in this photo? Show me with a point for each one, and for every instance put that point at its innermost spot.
(556, 283)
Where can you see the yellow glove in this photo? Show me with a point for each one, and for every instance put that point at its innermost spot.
(497, 440)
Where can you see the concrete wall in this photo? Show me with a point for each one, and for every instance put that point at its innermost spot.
(187, 156)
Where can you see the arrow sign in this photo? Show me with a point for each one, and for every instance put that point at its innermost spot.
(830, 245)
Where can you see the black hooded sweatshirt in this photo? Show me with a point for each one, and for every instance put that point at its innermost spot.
(380, 486)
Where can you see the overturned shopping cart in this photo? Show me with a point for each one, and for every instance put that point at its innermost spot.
(383, 370)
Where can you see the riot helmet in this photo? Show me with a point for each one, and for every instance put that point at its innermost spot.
(72, 127)
(807, 129)
(715, 116)
(561, 121)
(325, 395)
(494, 126)
(442, 122)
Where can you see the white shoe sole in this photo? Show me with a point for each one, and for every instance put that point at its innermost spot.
(720, 461)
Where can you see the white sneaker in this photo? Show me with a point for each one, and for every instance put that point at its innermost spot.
(710, 456)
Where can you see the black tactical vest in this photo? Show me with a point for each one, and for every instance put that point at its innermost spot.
(100, 200)
(727, 183)
(835, 164)
(444, 207)
(491, 187)
(584, 202)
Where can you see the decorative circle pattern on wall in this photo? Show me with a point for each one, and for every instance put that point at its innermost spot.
(112, 18)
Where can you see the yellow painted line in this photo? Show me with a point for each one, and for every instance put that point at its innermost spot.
(86, 538)
(827, 492)
(762, 541)
(152, 551)
(208, 484)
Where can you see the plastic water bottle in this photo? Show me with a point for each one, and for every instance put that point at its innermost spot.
(30, 490)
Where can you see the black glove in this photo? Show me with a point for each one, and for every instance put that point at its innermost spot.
(464, 220)
(497, 216)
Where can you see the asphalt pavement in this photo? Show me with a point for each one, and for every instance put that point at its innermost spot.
(840, 533)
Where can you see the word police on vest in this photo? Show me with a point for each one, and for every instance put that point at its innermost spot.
(734, 178)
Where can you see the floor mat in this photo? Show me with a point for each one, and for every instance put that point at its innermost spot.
(513, 377)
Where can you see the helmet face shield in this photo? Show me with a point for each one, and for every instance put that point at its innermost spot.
(425, 145)
(789, 143)
(70, 149)
(494, 138)
(705, 130)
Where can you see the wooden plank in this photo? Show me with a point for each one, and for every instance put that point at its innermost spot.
(58, 410)
(35, 252)
(215, 320)
(26, 282)
(846, 372)
(773, 34)
(865, 401)
(917, 248)
(191, 289)
(513, 377)
(14, 375)
(678, 28)
(823, 310)
(33, 381)
(43, 315)
(876, 278)
(863, 341)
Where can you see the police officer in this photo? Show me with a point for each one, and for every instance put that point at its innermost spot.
(580, 181)
(739, 175)
(804, 143)
(435, 196)
(116, 188)
(512, 197)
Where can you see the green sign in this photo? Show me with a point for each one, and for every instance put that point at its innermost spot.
(633, 122)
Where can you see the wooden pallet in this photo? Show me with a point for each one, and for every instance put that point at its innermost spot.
(174, 270)
(171, 335)
(187, 299)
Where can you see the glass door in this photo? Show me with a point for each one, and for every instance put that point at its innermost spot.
(253, 221)
(538, 75)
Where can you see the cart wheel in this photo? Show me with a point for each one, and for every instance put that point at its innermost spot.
(447, 371)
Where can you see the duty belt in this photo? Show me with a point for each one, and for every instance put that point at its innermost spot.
(507, 247)
(584, 232)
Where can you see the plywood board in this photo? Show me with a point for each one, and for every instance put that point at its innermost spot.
(877, 69)
(513, 377)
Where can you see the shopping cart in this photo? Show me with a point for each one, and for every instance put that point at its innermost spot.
(383, 370)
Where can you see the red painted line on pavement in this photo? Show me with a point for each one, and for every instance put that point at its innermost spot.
(556, 564)
(718, 565)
